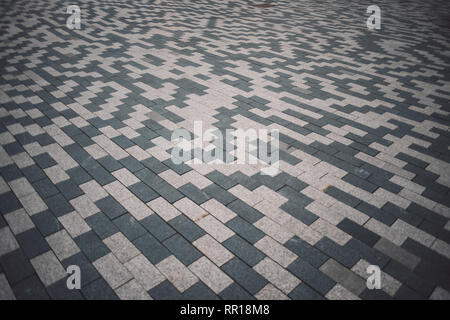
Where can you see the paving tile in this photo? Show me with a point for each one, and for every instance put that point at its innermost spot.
(30, 289)
(19, 221)
(374, 295)
(114, 273)
(32, 243)
(74, 224)
(343, 276)
(235, 292)
(348, 258)
(121, 247)
(340, 293)
(99, 290)
(16, 266)
(163, 208)
(245, 230)
(249, 279)
(303, 292)
(101, 225)
(307, 252)
(269, 292)
(45, 188)
(89, 273)
(179, 275)
(93, 190)
(91, 245)
(277, 275)
(143, 192)
(59, 291)
(84, 206)
(9, 202)
(144, 272)
(165, 291)
(244, 250)
(48, 268)
(151, 248)
(187, 228)
(388, 283)
(136, 208)
(210, 274)
(399, 254)
(311, 276)
(212, 249)
(6, 292)
(125, 177)
(182, 249)
(199, 291)
(359, 232)
(273, 229)
(245, 211)
(362, 178)
(409, 279)
(21, 187)
(132, 290)
(59, 205)
(215, 228)
(110, 207)
(218, 210)
(440, 294)
(33, 203)
(276, 251)
(160, 229)
(62, 245)
(129, 226)
(69, 189)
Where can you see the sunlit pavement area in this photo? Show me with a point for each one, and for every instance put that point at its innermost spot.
(88, 177)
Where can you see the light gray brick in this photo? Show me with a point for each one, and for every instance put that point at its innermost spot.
(343, 276)
(6, 292)
(177, 273)
(121, 247)
(114, 273)
(62, 244)
(276, 251)
(397, 253)
(212, 249)
(56, 174)
(48, 268)
(144, 272)
(84, 206)
(19, 221)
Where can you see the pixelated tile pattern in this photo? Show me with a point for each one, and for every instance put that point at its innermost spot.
(87, 177)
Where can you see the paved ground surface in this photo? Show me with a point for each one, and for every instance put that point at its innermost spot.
(86, 118)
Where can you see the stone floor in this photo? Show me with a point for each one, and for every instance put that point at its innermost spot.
(88, 177)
